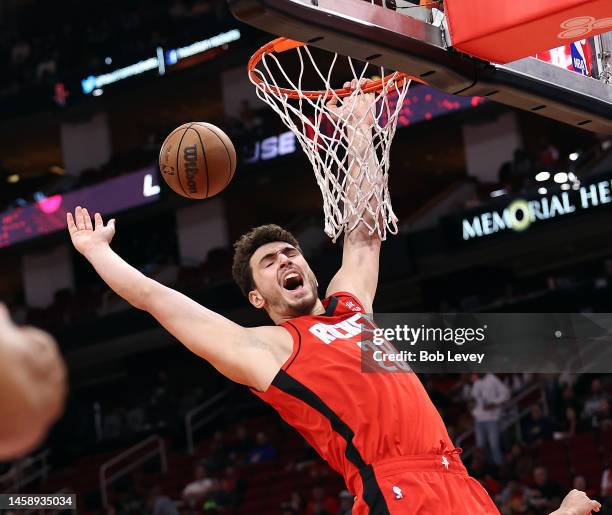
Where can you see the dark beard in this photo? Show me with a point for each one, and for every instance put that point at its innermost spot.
(305, 306)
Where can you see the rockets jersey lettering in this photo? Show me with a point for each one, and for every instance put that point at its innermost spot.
(353, 415)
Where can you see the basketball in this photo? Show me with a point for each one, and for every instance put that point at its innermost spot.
(197, 160)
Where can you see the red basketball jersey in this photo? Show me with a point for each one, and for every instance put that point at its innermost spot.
(353, 418)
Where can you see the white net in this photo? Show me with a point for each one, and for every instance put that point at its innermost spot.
(346, 133)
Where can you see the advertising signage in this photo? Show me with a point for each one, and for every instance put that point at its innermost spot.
(519, 215)
(48, 215)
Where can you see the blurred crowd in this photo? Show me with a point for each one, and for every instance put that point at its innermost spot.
(91, 40)
(528, 454)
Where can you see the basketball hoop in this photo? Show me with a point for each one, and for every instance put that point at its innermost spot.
(327, 135)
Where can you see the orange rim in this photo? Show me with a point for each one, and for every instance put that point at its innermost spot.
(280, 45)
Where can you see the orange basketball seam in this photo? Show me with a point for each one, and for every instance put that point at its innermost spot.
(204, 157)
(230, 173)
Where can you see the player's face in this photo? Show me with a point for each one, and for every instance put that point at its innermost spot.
(284, 283)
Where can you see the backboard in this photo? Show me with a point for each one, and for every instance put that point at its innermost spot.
(415, 40)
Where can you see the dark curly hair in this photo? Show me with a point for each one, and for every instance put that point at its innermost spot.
(246, 246)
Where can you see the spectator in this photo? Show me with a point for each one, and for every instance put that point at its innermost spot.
(580, 483)
(606, 479)
(264, 450)
(602, 418)
(196, 491)
(295, 503)
(521, 169)
(489, 394)
(593, 401)
(545, 495)
(21, 52)
(242, 443)
(321, 504)
(567, 426)
(566, 400)
(478, 467)
(519, 463)
(225, 495)
(217, 454)
(160, 504)
(548, 155)
(307, 458)
(537, 427)
(514, 498)
(346, 502)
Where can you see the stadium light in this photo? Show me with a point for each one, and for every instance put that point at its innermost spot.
(497, 193)
(542, 191)
(542, 176)
(565, 186)
(574, 156)
(159, 62)
(560, 177)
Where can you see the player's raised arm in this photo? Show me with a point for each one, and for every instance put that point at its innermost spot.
(244, 355)
(360, 255)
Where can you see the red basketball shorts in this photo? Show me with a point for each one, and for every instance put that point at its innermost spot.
(425, 485)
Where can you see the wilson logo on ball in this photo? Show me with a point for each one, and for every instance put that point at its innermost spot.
(190, 156)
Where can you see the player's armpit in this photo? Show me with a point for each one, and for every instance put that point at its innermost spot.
(248, 356)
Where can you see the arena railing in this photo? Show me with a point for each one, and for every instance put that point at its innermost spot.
(133, 457)
(513, 415)
(26, 471)
(203, 414)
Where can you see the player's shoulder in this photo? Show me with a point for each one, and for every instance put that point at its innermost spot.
(344, 301)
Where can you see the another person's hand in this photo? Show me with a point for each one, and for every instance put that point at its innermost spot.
(32, 386)
(86, 236)
(577, 503)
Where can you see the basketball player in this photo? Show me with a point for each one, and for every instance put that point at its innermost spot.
(32, 386)
(379, 430)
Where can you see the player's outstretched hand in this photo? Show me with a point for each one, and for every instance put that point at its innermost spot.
(86, 236)
(577, 503)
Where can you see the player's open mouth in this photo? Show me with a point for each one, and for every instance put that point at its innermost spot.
(293, 281)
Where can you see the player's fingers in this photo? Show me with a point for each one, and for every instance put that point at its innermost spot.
(98, 221)
(87, 220)
(111, 224)
(72, 228)
(3, 311)
(78, 215)
(596, 506)
(7, 326)
(333, 101)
